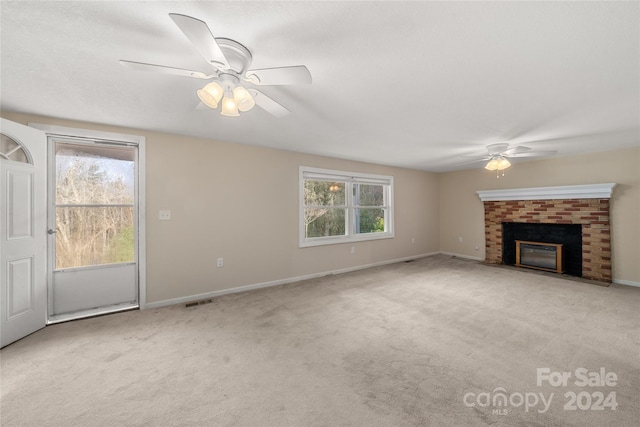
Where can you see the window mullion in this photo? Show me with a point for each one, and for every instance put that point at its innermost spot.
(348, 213)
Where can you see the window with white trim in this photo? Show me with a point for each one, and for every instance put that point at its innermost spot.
(340, 207)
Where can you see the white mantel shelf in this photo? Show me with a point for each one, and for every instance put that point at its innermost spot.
(589, 191)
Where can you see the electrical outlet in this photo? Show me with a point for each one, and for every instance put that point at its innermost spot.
(460, 239)
(413, 240)
(353, 249)
(220, 262)
(164, 215)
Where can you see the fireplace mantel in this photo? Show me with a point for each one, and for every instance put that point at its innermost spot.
(588, 191)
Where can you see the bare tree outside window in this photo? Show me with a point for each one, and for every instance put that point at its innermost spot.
(325, 210)
(94, 206)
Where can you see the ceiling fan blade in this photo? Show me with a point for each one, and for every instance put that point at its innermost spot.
(517, 150)
(198, 32)
(533, 154)
(141, 66)
(294, 75)
(269, 104)
(473, 161)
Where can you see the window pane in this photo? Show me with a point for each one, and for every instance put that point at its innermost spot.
(324, 193)
(369, 220)
(368, 195)
(94, 236)
(321, 222)
(94, 175)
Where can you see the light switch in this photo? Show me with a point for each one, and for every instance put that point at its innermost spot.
(165, 215)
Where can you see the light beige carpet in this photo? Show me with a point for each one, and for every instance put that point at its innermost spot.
(425, 343)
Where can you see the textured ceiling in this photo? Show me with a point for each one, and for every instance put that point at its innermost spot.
(425, 85)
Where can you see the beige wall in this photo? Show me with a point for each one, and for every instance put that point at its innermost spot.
(241, 203)
(462, 213)
(213, 190)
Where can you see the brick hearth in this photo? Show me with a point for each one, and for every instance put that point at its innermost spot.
(593, 214)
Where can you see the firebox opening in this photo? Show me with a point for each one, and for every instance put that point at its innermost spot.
(567, 235)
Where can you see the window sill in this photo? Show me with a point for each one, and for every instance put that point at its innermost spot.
(336, 240)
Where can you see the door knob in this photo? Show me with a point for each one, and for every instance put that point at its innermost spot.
(50, 231)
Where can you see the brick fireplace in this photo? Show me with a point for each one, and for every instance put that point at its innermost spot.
(587, 205)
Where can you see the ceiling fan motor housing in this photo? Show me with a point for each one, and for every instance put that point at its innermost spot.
(497, 149)
(238, 56)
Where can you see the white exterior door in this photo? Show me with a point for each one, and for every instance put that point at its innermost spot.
(23, 239)
(95, 250)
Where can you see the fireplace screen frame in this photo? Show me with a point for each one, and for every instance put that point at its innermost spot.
(558, 255)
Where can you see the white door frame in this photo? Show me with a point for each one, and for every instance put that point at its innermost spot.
(71, 133)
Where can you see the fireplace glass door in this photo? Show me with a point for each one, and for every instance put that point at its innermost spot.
(543, 256)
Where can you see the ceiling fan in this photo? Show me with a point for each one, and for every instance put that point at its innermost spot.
(232, 84)
(498, 155)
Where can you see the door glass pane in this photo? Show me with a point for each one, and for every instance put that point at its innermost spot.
(95, 206)
(11, 150)
(88, 174)
(94, 236)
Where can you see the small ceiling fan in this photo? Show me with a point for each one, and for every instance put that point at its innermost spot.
(232, 84)
(498, 155)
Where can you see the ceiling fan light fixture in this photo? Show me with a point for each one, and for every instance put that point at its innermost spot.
(243, 98)
(503, 163)
(492, 165)
(229, 105)
(211, 94)
(497, 164)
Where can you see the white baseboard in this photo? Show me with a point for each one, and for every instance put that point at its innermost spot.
(474, 258)
(626, 282)
(617, 281)
(213, 294)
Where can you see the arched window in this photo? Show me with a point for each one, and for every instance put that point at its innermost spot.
(13, 150)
